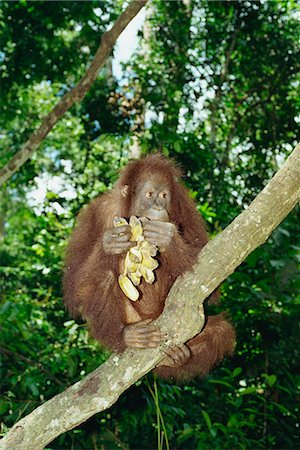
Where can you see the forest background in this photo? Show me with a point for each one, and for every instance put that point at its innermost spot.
(214, 85)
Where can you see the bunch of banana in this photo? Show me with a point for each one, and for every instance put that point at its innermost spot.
(139, 261)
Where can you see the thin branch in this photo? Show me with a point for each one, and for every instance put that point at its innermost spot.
(182, 318)
(31, 362)
(74, 95)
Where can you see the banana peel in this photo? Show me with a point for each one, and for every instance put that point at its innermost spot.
(139, 260)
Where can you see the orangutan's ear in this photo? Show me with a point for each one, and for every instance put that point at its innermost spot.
(124, 190)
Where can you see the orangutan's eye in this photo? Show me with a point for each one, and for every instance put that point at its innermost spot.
(148, 194)
(163, 195)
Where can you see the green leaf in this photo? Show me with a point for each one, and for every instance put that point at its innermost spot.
(185, 435)
(222, 382)
(34, 389)
(270, 379)
(177, 146)
(207, 419)
(4, 406)
(277, 263)
(236, 371)
(247, 391)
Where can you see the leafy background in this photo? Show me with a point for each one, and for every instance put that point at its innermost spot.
(214, 85)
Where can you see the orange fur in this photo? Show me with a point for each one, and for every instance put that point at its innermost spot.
(90, 281)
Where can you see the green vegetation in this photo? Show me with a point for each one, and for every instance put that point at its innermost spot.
(214, 85)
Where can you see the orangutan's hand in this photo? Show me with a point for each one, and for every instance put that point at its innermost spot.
(159, 233)
(176, 356)
(142, 334)
(116, 240)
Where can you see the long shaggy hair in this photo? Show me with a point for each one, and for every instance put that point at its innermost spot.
(91, 276)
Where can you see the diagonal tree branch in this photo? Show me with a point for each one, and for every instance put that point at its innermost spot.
(182, 318)
(74, 95)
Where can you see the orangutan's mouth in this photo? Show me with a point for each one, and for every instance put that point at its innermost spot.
(157, 214)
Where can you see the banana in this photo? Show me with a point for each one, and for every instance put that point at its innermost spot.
(148, 249)
(128, 288)
(139, 260)
(135, 277)
(147, 274)
(136, 229)
(135, 254)
(129, 264)
(150, 263)
(119, 221)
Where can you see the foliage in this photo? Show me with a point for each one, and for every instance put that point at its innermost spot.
(214, 85)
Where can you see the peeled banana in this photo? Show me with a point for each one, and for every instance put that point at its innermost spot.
(139, 262)
(128, 288)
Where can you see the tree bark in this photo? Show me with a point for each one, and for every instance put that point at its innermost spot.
(182, 317)
(74, 95)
